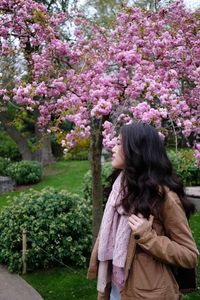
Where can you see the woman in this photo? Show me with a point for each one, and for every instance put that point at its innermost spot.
(144, 229)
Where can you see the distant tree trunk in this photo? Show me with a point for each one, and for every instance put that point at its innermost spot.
(20, 141)
(97, 191)
(44, 152)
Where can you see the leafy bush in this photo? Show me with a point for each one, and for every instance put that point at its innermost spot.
(8, 148)
(4, 163)
(25, 171)
(58, 225)
(184, 165)
(106, 182)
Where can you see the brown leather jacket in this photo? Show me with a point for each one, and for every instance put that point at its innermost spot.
(150, 252)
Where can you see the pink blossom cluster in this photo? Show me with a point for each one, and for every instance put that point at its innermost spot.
(44, 114)
(109, 135)
(124, 119)
(75, 136)
(3, 91)
(145, 113)
(197, 153)
(23, 95)
(41, 65)
(5, 97)
(4, 48)
(103, 108)
(26, 19)
(146, 67)
(59, 18)
(61, 48)
(80, 119)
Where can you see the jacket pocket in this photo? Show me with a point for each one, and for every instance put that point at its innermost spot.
(149, 276)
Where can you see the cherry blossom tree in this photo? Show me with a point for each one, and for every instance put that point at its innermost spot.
(26, 27)
(145, 67)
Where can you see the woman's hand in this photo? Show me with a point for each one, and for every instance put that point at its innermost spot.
(138, 223)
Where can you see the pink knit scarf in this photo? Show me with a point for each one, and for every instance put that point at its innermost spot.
(114, 234)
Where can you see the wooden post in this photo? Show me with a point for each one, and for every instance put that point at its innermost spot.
(24, 248)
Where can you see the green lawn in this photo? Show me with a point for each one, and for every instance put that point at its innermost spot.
(67, 175)
(62, 283)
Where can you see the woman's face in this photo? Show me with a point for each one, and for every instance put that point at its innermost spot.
(118, 157)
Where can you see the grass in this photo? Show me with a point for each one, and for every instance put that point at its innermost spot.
(67, 175)
(195, 226)
(62, 283)
(59, 283)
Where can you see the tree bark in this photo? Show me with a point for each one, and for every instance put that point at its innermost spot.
(97, 191)
(16, 136)
(44, 152)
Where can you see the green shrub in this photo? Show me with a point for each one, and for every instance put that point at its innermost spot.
(8, 148)
(58, 225)
(4, 163)
(25, 171)
(184, 165)
(106, 182)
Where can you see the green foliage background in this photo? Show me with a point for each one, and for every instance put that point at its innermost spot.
(25, 171)
(58, 225)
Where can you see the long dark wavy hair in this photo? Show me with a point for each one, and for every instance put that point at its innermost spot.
(147, 172)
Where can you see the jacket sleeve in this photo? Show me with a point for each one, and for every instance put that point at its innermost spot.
(178, 246)
(93, 265)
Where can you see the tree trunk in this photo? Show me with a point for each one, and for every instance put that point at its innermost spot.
(21, 143)
(16, 136)
(44, 152)
(97, 191)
